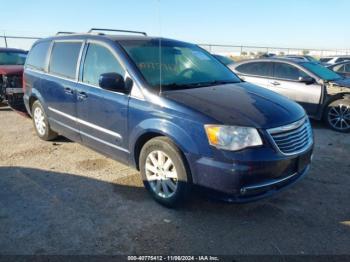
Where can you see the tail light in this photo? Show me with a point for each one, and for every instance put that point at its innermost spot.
(23, 84)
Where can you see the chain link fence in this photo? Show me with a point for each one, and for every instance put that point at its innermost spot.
(235, 51)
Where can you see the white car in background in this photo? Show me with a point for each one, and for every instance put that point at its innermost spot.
(330, 60)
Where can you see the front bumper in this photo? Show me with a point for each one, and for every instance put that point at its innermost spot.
(259, 176)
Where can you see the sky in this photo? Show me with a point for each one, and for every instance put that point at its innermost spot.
(322, 24)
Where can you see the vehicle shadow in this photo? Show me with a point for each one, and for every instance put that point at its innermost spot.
(46, 212)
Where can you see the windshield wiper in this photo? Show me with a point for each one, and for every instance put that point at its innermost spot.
(195, 85)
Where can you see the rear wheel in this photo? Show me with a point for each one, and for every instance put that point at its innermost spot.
(164, 172)
(41, 123)
(337, 115)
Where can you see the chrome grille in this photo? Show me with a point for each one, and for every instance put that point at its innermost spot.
(294, 138)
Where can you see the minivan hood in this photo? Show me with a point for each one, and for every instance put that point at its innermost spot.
(242, 104)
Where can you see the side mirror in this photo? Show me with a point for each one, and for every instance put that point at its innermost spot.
(113, 82)
(306, 79)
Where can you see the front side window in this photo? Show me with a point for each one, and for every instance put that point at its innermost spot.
(256, 69)
(12, 58)
(288, 72)
(99, 60)
(37, 55)
(64, 59)
(174, 65)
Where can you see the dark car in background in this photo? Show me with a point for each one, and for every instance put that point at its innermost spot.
(225, 59)
(342, 68)
(11, 72)
(323, 93)
(169, 109)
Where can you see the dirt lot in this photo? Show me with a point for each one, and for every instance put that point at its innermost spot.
(62, 198)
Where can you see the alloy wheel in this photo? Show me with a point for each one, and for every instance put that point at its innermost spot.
(39, 120)
(339, 117)
(161, 174)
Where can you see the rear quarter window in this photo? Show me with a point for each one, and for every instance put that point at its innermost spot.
(64, 59)
(37, 56)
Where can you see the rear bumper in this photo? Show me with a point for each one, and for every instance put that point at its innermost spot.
(244, 181)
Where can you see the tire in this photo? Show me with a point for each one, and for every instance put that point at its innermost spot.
(164, 172)
(337, 115)
(41, 124)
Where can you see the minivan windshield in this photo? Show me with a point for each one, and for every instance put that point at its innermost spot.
(173, 64)
(321, 71)
(12, 58)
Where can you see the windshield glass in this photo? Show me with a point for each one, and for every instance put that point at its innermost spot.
(321, 71)
(12, 58)
(182, 65)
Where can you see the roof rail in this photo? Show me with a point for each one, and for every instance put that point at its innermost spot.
(64, 33)
(116, 30)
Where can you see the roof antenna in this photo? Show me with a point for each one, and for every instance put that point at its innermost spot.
(160, 46)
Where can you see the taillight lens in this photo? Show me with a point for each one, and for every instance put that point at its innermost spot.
(23, 84)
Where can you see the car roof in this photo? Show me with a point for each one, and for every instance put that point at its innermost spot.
(100, 36)
(274, 59)
(5, 49)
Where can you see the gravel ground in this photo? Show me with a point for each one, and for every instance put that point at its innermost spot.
(62, 198)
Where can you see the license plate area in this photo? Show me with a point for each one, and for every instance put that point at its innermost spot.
(303, 161)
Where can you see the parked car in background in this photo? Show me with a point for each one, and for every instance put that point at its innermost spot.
(266, 55)
(189, 121)
(322, 92)
(342, 68)
(330, 60)
(11, 72)
(225, 60)
(302, 57)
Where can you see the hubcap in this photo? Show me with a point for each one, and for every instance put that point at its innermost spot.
(161, 174)
(39, 121)
(339, 117)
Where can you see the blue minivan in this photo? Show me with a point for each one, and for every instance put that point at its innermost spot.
(169, 109)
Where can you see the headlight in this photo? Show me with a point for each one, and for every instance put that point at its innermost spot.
(232, 137)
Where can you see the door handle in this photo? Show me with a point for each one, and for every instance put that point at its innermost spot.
(68, 90)
(82, 95)
(275, 83)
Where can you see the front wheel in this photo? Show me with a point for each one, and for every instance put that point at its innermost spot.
(337, 115)
(164, 172)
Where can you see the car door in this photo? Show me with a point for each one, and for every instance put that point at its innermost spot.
(286, 81)
(102, 114)
(59, 86)
(257, 73)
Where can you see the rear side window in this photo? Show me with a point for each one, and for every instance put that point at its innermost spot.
(347, 68)
(37, 56)
(287, 71)
(342, 59)
(64, 59)
(339, 68)
(325, 59)
(256, 68)
(99, 60)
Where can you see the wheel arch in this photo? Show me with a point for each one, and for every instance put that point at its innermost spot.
(333, 98)
(155, 128)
